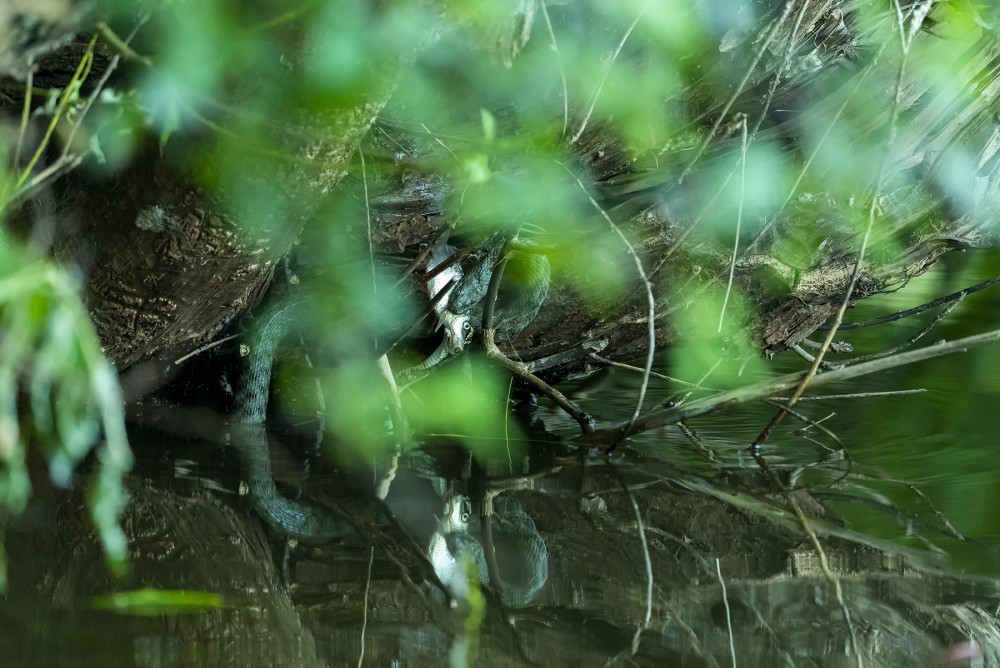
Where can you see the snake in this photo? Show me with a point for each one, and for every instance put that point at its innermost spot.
(297, 519)
(515, 307)
(465, 291)
(521, 551)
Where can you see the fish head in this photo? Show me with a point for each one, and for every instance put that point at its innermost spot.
(458, 332)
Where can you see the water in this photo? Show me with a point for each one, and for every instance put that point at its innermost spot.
(906, 506)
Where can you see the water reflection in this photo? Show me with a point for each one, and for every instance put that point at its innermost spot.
(717, 564)
(907, 498)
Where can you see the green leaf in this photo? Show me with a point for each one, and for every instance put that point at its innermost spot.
(477, 168)
(170, 124)
(489, 126)
(155, 602)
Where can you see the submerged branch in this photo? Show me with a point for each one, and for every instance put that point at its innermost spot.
(661, 418)
(899, 315)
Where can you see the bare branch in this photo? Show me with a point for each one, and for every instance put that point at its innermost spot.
(768, 388)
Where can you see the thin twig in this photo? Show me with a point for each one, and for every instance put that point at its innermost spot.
(493, 289)
(836, 347)
(739, 222)
(25, 113)
(61, 165)
(489, 548)
(364, 609)
(812, 423)
(418, 590)
(678, 399)
(899, 315)
(401, 425)
(646, 559)
(693, 436)
(856, 395)
(506, 419)
(605, 73)
(729, 617)
(207, 346)
(368, 221)
(562, 71)
(945, 522)
(122, 47)
(798, 350)
(438, 140)
(654, 374)
(650, 301)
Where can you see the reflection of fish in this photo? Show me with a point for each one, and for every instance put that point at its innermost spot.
(454, 540)
(446, 563)
(522, 558)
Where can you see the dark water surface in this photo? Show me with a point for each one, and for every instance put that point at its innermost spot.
(907, 508)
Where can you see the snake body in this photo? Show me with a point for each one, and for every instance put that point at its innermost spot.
(298, 520)
(516, 307)
(520, 549)
(462, 304)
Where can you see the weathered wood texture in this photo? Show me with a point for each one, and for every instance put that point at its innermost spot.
(168, 264)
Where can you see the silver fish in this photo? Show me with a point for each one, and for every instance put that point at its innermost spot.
(457, 328)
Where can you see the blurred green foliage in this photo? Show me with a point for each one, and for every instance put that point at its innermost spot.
(157, 602)
(57, 392)
(501, 99)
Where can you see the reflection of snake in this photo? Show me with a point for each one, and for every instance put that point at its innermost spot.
(521, 553)
(297, 519)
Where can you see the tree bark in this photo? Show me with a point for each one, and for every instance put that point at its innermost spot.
(168, 263)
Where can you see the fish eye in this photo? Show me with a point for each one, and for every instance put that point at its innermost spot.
(467, 326)
(465, 517)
